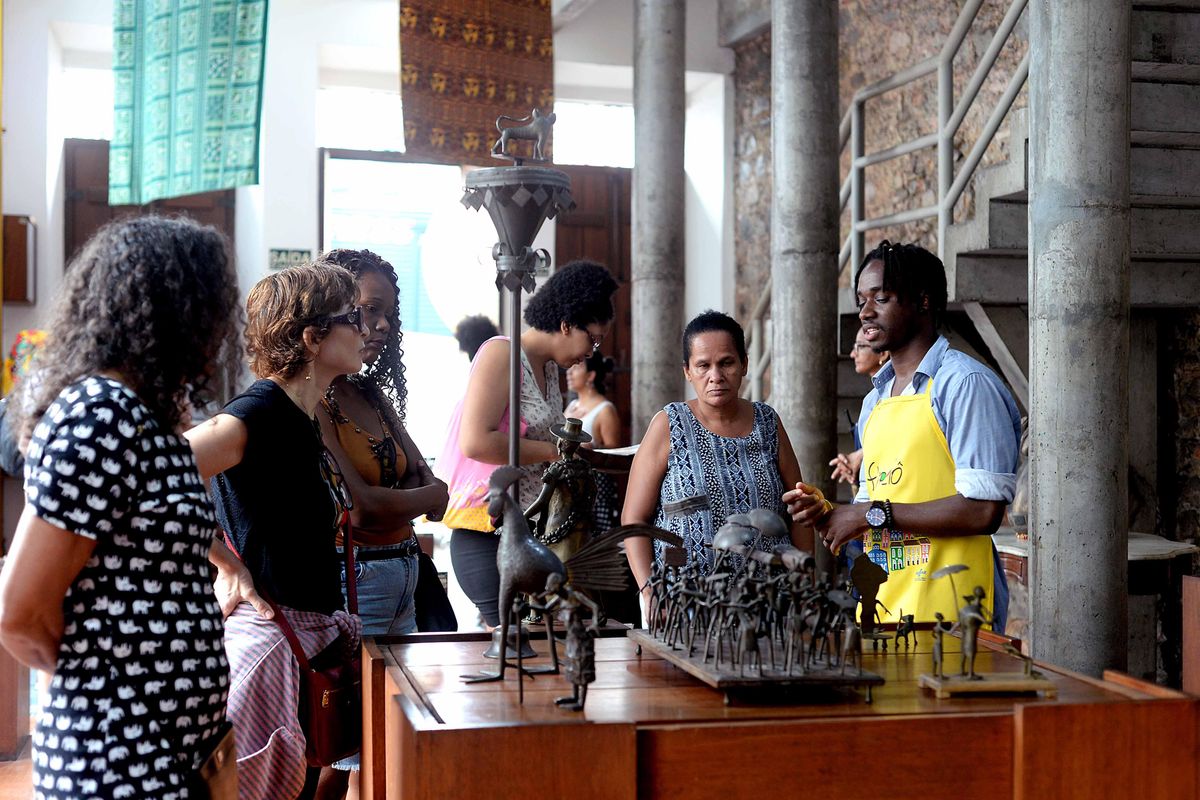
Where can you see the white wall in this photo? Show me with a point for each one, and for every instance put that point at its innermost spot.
(32, 143)
(307, 38)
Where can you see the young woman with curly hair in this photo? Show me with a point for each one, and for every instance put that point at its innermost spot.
(568, 318)
(280, 499)
(108, 585)
(362, 422)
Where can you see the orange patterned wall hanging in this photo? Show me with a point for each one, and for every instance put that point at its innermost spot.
(465, 62)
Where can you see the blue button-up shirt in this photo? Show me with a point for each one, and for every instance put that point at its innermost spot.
(979, 418)
(976, 412)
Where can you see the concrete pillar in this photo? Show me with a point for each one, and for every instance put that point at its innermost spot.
(659, 104)
(1079, 330)
(804, 230)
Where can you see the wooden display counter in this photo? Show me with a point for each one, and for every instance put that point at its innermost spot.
(652, 731)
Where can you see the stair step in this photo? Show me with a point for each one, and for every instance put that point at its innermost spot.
(1001, 276)
(1166, 36)
(1158, 106)
(1156, 72)
(1159, 226)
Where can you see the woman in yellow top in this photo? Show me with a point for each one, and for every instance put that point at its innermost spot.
(362, 422)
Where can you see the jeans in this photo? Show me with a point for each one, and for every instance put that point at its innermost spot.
(385, 591)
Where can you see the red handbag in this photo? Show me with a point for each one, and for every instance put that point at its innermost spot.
(330, 683)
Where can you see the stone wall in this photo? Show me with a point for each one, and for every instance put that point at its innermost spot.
(877, 39)
(1184, 359)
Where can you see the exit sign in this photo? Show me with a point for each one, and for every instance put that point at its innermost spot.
(282, 259)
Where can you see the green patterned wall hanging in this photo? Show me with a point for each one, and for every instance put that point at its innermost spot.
(188, 80)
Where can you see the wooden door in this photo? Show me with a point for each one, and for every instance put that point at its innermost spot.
(85, 170)
(599, 230)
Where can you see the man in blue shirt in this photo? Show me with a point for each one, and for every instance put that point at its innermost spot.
(941, 438)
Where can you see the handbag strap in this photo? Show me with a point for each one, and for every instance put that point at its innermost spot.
(351, 594)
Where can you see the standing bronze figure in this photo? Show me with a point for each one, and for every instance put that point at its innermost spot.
(563, 510)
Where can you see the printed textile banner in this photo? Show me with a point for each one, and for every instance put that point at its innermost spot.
(463, 63)
(188, 80)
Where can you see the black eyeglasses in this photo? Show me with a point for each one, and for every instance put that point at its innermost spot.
(595, 341)
(352, 317)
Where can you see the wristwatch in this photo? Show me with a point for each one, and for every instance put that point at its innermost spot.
(879, 515)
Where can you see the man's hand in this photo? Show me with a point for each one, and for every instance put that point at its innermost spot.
(842, 525)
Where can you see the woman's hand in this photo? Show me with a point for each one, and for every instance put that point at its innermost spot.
(441, 497)
(234, 584)
(44, 562)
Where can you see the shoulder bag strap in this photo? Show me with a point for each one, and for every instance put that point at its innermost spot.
(351, 594)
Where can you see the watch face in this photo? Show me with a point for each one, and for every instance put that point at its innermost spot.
(876, 516)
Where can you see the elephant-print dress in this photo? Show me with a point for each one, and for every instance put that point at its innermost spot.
(140, 685)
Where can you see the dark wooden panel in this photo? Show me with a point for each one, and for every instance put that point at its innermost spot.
(1191, 634)
(20, 271)
(782, 759)
(374, 765)
(85, 172)
(1106, 751)
(599, 229)
(14, 706)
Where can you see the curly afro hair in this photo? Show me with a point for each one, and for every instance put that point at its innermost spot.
(154, 299)
(472, 332)
(385, 377)
(579, 294)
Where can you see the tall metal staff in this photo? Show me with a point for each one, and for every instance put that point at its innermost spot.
(518, 199)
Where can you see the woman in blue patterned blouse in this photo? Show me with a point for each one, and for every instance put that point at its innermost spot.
(729, 450)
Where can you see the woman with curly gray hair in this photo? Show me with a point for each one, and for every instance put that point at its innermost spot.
(108, 585)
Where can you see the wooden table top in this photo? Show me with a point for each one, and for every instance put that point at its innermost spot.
(646, 690)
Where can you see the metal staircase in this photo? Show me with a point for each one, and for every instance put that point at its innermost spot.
(986, 254)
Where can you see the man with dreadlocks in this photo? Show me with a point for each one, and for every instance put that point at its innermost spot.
(940, 436)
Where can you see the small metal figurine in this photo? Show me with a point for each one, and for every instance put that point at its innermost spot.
(579, 659)
(535, 128)
(940, 629)
(906, 626)
(970, 618)
(563, 510)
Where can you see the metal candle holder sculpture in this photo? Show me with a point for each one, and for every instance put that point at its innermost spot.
(518, 199)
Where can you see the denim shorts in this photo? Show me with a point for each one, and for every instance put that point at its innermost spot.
(385, 589)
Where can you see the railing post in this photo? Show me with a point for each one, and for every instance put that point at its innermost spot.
(858, 204)
(945, 148)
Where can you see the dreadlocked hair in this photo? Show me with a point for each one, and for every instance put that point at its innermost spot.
(910, 271)
(384, 380)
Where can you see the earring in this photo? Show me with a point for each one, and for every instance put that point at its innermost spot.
(311, 369)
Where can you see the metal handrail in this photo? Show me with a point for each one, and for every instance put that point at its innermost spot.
(851, 131)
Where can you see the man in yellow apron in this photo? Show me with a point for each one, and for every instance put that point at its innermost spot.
(941, 437)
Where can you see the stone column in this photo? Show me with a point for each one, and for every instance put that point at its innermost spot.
(804, 230)
(658, 194)
(1079, 330)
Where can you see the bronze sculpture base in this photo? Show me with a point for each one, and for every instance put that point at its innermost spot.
(732, 680)
(987, 683)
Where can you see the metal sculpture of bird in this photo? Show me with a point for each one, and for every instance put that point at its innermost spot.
(524, 563)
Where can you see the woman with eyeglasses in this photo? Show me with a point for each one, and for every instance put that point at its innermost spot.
(866, 362)
(568, 317)
(281, 502)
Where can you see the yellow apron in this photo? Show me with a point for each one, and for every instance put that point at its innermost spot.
(907, 460)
